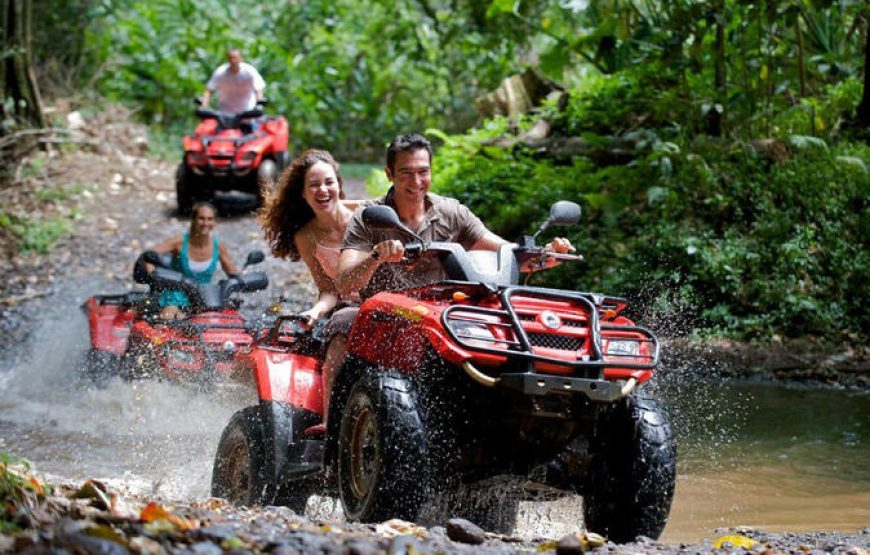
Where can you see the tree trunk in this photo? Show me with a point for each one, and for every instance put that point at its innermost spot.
(16, 76)
(716, 115)
(863, 112)
(802, 70)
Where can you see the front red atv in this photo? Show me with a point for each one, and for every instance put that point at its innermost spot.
(230, 152)
(450, 386)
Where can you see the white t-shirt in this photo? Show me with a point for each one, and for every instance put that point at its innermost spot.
(236, 91)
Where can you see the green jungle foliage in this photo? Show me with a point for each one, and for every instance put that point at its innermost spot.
(713, 230)
(347, 75)
(717, 174)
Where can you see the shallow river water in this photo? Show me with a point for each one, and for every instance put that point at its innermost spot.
(770, 457)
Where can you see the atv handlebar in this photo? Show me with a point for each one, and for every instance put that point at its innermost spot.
(202, 295)
(501, 267)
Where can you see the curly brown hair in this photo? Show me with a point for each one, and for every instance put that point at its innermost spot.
(284, 210)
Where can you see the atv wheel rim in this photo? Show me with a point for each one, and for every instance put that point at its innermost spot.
(363, 452)
(238, 474)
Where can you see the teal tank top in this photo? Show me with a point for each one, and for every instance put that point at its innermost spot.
(181, 263)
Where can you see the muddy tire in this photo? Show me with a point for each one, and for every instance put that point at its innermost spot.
(99, 367)
(137, 363)
(240, 473)
(184, 189)
(267, 178)
(268, 171)
(283, 159)
(382, 451)
(630, 485)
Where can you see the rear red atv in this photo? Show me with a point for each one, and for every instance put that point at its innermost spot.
(230, 152)
(453, 385)
(130, 339)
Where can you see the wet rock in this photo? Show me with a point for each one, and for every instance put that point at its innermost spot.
(145, 545)
(405, 545)
(83, 543)
(579, 542)
(570, 545)
(206, 548)
(214, 533)
(461, 530)
(362, 547)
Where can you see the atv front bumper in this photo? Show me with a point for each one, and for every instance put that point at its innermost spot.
(542, 384)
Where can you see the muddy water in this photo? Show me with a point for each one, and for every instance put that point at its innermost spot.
(774, 458)
(786, 460)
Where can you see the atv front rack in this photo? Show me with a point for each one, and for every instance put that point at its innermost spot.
(577, 345)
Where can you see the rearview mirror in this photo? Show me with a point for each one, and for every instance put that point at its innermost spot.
(562, 213)
(565, 213)
(152, 257)
(254, 257)
(383, 217)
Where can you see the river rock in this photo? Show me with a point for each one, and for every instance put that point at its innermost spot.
(461, 530)
(570, 545)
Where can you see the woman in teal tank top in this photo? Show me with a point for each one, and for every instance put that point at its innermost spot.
(195, 254)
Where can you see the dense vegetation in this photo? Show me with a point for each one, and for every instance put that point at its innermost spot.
(739, 204)
(719, 148)
(347, 75)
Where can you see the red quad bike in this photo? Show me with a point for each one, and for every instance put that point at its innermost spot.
(130, 339)
(227, 152)
(457, 384)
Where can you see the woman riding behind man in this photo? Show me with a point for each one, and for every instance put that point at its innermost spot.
(195, 254)
(306, 219)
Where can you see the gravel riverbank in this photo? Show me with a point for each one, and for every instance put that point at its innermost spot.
(91, 518)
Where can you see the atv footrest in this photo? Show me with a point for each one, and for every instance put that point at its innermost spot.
(543, 384)
(303, 457)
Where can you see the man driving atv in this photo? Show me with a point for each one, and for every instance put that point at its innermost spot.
(238, 84)
(371, 260)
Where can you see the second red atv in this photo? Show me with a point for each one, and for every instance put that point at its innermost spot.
(457, 384)
(130, 339)
(230, 151)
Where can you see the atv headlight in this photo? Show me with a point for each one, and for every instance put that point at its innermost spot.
(248, 157)
(623, 347)
(180, 357)
(474, 333)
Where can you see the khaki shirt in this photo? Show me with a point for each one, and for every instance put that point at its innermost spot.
(446, 219)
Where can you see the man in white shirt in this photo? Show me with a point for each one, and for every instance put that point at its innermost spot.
(239, 85)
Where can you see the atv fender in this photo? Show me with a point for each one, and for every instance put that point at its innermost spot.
(282, 426)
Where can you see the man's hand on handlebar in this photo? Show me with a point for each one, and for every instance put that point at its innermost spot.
(390, 250)
(550, 256)
(560, 245)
